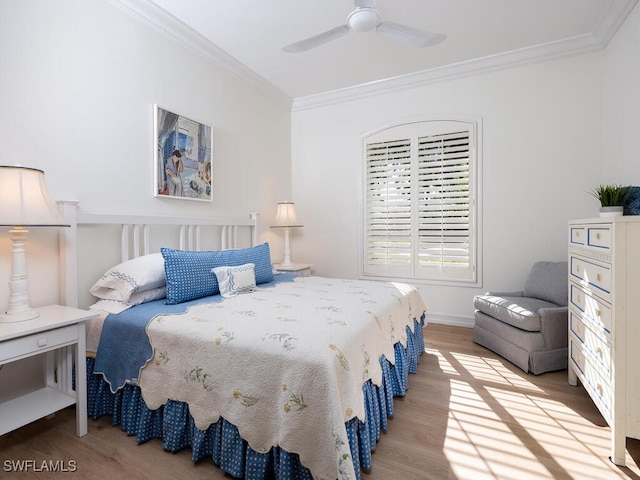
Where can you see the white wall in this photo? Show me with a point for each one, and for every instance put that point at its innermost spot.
(78, 81)
(542, 142)
(621, 105)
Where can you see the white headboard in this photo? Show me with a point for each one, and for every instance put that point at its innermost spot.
(136, 238)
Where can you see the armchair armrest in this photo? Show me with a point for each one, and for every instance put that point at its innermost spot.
(506, 294)
(554, 325)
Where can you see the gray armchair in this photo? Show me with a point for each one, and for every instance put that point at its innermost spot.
(528, 327)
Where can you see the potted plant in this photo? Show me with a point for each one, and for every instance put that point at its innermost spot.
(612, 198)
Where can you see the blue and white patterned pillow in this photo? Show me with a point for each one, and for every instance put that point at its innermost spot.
(189, 276)
(235, 280)
(632, 203)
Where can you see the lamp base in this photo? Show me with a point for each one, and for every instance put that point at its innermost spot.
(18, 317)
(19, 309)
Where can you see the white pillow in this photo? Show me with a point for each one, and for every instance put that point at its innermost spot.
(235, 280)
(136, 275)
(117, 306)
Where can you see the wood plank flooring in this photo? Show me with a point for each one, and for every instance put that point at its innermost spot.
(468, 414)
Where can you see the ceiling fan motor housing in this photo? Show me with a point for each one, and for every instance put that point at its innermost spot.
(363, 19)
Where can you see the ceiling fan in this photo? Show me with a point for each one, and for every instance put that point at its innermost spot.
(365, 18)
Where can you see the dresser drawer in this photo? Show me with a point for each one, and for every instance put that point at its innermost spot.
(592, 309)
(599, 237)
(591, 274)
(578, 235)
(591, 343)
(11, 350)
(599, 389)
(595, 237)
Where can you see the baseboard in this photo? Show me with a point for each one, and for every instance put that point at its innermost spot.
(450, 319)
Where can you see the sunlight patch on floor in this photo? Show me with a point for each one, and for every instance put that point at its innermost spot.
(494, 432)
(472, 443)
(551, 424)
(482, 369)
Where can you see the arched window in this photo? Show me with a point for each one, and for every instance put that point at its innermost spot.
(420, 201)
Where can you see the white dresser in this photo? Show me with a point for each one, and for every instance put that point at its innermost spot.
(604, 321)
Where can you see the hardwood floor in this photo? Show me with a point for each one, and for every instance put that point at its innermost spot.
(468, 414)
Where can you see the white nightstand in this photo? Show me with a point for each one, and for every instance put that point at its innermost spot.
(302, 269)
(59, 331)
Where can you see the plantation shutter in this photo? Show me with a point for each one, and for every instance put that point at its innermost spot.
(444, 205)
(388, 206)
(419, 218)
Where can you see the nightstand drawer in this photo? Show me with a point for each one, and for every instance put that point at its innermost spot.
(12, 350)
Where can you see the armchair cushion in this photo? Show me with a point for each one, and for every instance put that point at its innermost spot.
(520, 312)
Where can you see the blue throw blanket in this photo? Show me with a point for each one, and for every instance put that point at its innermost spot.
(124, 345)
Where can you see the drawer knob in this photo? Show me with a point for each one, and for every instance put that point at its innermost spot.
(598, 277)
(600, 390)
(42, 342)
(598, 313)
(597, 236)
(599, 351)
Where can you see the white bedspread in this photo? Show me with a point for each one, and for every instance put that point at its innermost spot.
(284, 364)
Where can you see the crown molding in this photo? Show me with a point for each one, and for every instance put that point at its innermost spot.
(491, 63)
(161, 21)
(616, 15)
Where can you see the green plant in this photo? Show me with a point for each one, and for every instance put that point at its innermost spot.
(611, 195)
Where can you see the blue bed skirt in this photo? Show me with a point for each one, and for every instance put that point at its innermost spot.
(221, 441)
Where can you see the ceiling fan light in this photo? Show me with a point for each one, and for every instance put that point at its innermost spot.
(363, 19)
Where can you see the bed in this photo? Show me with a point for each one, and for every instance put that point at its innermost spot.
(268, 375)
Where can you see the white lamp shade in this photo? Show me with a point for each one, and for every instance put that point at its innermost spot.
(25, 200)
(286, 215)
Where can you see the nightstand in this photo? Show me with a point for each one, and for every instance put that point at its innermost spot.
(302, 269)
(60, 333)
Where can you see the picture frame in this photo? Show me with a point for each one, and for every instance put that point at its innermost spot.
(183, 157)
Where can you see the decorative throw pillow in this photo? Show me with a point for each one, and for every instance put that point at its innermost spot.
(188, 273)
(235, 280)
(632, 203)
(136, 275)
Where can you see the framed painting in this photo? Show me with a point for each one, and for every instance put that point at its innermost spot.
(183, 157)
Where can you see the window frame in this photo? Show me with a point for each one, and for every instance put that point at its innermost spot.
(411, 272)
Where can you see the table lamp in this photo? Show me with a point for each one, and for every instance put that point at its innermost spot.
(25, 203)
(286, 219)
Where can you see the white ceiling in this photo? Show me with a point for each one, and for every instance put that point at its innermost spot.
(481, 34)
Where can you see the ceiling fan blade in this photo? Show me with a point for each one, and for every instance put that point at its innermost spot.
(365, 3)
(317, 40)
(409, 35)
